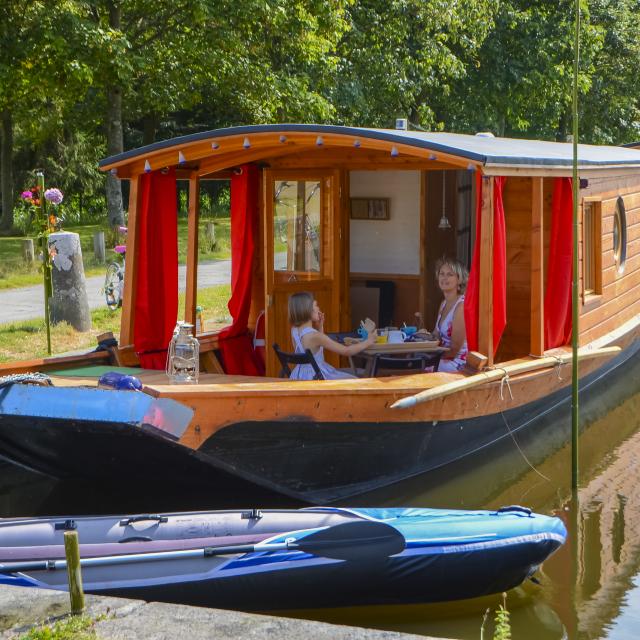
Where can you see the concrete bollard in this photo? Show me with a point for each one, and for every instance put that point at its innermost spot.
(74, 571)
(98, 246)
(27, 251)
(69, 302)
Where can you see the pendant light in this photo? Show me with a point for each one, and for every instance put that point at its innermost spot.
(444, 221)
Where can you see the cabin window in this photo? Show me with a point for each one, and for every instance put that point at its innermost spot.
(620, 235)
(591, 249)
(296, 224)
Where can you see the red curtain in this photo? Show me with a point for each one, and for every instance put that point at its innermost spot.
(236, 346)
(156, 303)
(557, 298)
(471, 298)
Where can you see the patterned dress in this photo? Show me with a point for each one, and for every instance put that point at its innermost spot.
(305, 371)
(446, 329)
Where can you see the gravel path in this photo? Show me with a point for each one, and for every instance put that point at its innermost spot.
(27, 302)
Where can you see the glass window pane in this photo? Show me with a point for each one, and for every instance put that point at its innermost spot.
(296, 225)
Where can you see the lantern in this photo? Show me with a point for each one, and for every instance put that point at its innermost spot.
(183, 355)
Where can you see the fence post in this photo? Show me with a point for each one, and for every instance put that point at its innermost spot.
(74, 572)
(210, 235)
(98, 246)
(27, 251)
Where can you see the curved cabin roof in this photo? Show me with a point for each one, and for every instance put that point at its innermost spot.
(211, 151)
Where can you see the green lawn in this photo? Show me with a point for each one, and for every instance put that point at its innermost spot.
(15, 273)
(28, 339)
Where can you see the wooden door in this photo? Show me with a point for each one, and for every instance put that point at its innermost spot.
(301, 238)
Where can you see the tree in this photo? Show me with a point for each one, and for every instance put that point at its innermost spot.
(399, 56)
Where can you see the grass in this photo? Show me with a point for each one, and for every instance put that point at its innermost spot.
(28, 339)
(71, 628)
(15, 273)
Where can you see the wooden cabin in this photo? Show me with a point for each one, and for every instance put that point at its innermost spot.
(360, 217)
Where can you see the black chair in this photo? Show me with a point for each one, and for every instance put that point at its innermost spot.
(418, 362)
(287, 359)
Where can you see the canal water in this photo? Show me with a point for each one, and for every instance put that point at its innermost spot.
(589, 589)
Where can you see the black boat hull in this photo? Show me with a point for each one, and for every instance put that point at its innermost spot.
(308, 461)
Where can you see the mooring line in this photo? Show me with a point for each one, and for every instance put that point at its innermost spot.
(522, 453)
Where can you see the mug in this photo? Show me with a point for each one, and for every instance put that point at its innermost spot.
(363, 333)
(409, 331)
(396, 337)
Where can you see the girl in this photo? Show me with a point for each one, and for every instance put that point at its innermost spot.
(452, 279)
(307, 322)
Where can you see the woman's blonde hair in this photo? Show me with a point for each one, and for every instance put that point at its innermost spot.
(458, 268)
(300, 308)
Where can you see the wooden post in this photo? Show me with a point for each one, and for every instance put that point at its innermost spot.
(128, 299)
(193, 221)
(485, 310)
(27, 251)
(98, 246)
(74, 572)
(537, 266)
(210, 235)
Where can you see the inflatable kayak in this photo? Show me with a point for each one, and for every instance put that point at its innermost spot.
(285, 559)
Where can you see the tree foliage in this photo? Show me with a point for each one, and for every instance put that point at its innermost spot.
(83, 78)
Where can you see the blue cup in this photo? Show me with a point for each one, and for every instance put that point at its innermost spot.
(409, 331)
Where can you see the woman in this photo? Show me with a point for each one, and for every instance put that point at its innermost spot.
(307, 332)
(452, 279)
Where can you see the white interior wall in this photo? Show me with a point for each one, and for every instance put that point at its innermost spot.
(387, 246)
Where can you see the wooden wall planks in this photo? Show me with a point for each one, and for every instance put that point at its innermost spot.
(620, 299)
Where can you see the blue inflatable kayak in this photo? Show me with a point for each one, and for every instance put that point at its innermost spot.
(285, 559)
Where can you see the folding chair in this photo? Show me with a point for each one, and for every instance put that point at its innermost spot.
(287, 359)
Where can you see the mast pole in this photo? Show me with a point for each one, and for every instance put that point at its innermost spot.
(574, 286)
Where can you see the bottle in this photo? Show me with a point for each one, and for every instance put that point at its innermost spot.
(199, 320)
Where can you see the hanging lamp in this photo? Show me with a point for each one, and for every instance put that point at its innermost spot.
(444, 221)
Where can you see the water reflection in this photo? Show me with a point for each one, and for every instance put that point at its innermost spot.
(589, 589)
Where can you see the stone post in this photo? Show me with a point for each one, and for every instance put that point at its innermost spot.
(69, 302)
(98, 246)
(27, 251)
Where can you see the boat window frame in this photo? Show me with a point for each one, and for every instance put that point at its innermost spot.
(620, 229)
(591, 263)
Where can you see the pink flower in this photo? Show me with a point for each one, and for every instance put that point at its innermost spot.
(54, 196)
(26, 195)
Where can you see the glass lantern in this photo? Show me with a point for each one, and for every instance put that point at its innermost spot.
(183, 355)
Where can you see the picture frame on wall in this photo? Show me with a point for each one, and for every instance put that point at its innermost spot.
(370, 208)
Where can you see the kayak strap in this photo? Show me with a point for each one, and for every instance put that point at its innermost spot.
(41, 379)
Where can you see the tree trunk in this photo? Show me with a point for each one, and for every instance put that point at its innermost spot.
(115, 142)
(6, 169)
(150, 126)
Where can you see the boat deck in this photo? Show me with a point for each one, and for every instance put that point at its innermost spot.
(155, 382)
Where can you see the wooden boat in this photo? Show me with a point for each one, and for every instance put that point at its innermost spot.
(286, 559)
(355, 216)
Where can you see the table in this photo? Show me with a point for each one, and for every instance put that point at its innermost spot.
(429, 348)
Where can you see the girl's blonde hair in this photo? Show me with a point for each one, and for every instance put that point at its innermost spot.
(458, 268)
(300, 308)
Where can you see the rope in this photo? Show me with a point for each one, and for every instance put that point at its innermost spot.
(559, 363)
(522, 453)
(26, 378)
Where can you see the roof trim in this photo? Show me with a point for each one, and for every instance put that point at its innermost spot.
(487, 151)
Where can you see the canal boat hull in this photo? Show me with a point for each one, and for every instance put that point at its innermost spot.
(447, 555)
(77, 432)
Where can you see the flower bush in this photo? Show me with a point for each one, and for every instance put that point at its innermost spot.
(47, 208)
